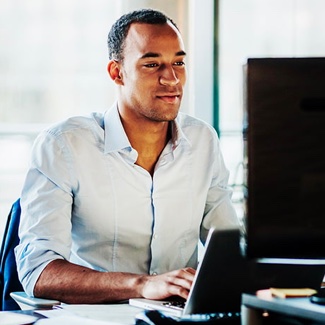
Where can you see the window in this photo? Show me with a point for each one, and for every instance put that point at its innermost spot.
(53, 65)
(259, 28)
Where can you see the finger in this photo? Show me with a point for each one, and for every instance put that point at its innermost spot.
(175, 290)
(181, 278)
(187, 274)
(190, 270)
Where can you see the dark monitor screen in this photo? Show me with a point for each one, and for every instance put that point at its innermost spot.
(284, 147)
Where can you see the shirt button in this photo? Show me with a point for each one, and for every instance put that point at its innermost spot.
(154, 273)
(155, 236)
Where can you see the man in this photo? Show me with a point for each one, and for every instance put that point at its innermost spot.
(114, 204)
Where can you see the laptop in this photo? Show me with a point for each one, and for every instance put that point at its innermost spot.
(224, 273)
(217, 283)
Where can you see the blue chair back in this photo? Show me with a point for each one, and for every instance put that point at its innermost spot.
(9, 281)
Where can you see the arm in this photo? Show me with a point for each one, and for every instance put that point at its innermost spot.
(76, 284)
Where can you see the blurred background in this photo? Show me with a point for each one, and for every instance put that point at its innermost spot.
(53, 59)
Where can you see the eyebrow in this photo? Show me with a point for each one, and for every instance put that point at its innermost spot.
(157, 55)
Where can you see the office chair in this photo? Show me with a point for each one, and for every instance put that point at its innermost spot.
(8, 269)
(12, 295)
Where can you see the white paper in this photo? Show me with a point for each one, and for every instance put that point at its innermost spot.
(113, 314)
(71, 320)
(49, 313)
(11, 318)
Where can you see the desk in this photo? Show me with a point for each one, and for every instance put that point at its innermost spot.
(299, 309)
(294, 311)
(118, 314)
(19, 317)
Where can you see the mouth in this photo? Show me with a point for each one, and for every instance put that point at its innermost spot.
(169, 98)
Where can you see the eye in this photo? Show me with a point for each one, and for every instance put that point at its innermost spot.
(151, 65)
(179, 63)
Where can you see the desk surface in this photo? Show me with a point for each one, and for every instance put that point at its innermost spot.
(115, 314)
(124, 314)
(294, 307)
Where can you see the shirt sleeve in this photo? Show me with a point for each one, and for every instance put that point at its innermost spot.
(219, 210)
(46, 200)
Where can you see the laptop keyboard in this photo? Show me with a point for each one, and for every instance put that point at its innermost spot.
(175, 304)
(212, 317)
(202, 317)
(155, 317)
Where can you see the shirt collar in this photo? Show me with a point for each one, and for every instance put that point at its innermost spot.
(178, 134)
(116, 138)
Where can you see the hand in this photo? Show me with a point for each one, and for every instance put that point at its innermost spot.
(174, 283)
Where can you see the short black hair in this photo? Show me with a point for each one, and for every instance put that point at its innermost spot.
(119, 30)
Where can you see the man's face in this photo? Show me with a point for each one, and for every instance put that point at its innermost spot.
(153, 72)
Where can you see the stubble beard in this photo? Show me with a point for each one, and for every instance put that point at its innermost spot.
(163, 114)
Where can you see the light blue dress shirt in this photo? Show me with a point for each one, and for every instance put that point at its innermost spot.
(85, 200)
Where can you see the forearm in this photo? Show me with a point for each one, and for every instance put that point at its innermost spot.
(76, 284)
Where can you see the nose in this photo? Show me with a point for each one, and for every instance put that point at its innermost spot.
(169, 77)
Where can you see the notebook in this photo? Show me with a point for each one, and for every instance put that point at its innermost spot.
(217, 283)
(224, 273)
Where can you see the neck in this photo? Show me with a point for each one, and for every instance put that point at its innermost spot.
(149, 140)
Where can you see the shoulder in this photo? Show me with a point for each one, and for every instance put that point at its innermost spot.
(77, 124)
(73, 130)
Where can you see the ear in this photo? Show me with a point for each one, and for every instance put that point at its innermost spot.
(114, 71)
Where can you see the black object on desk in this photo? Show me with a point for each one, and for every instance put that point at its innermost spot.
(319, 297)
(155, 317)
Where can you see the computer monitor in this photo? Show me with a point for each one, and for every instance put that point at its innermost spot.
(284, 148)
